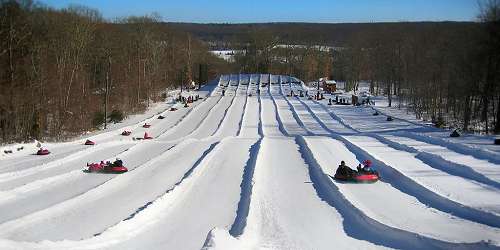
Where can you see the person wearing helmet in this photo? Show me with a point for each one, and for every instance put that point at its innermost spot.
(367, 166)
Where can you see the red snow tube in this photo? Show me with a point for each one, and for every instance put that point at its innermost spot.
(100, 168)
(115, 169)
(366, 178)
(126, 133)
(89, 142)
(147, 137)
(359, 178)
(146, 125)
(43, 152)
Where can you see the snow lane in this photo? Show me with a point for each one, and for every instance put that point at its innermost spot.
(231, 123)
(455, 188)
(251, 118)
(88, 214)
(46, 192)
(287, 118)
(212, 122)
(306, 118)
(285, 212)
(61, 150)
(362, 119)
(389, 206)
(67, 164)
(474, 167)
(183, 219)
(172, 118)
(479, 152)
(192, 121)
(28, 161)
(235, 172)
(325, 116)
(270, 126)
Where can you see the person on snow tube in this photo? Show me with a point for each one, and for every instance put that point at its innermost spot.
(43, 151)
(363, 175)
(89, 142)
(367, 167)
(344, 170)
(118, 163)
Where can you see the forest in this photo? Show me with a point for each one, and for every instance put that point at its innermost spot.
(62, 72)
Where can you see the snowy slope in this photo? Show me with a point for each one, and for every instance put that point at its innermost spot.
(246, 170)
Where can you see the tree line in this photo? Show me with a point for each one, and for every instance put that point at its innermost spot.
(449, 74)
(444, 72)
(63, 71)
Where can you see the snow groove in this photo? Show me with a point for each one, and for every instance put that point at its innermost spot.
(205, 119)
(424, 195)
(246, 192)
(31, 189)
(183, 117)
(335, 117)
(242, 115)
(177, 127)
(296, 116)
(360, 226)
(224, 116)
(475, 152)
(421, 193)
(278, 119)
(53, 164)
(440, 163)
(186, 175)
(260, 130)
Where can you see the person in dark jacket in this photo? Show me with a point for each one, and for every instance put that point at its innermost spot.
(359, 168)
(344, 170)
(118, 162)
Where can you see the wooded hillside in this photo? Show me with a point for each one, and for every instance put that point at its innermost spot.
(58, 67)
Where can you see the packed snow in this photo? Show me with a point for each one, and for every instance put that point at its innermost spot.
(251, 165)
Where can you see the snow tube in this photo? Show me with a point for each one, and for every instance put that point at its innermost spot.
(161, 117)
(115, 169)
(389, 118)
(147, 137)
(359, 177)
(146, 125)
(89, 142)
(126, 133)
(43, 152)
(173, 109)
(103, 168)
(376, 113)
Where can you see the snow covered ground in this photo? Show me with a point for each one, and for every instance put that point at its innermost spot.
(253, 169)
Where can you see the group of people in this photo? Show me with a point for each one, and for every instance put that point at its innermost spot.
(117, 163)
(189, 99)
(360, 169)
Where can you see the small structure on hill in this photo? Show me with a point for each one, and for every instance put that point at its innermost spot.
(329, 86)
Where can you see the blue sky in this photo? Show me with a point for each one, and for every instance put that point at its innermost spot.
(328, 11)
